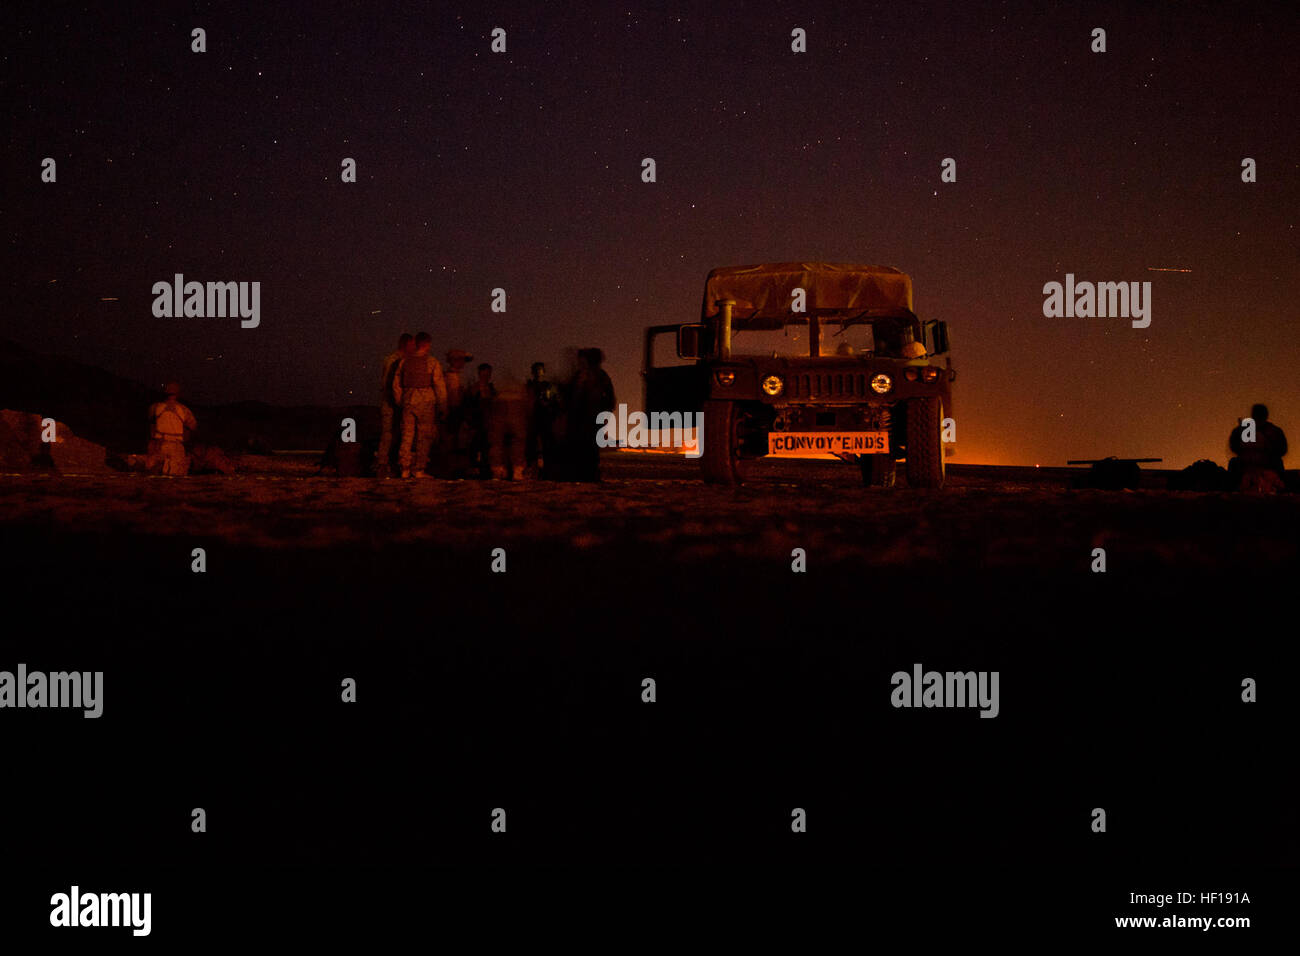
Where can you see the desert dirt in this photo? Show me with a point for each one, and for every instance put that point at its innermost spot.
(655, 504)
(524, 689)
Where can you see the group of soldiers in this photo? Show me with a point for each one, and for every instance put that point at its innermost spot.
(447, 425)
(454, 427)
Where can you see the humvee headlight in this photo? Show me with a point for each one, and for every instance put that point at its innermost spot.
(772, 385)
(724, 377)
(881, 383)
(911, 375)
(929, 373)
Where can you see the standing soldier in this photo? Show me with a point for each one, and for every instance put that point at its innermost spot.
(508, 417)
(593, 393)
(478, 405)
(456, 359)
(390, 415)
(543, 406)
(420, 391)
(170, 421)
(449, 440)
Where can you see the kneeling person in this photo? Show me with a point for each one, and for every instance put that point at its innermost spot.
(170, 422)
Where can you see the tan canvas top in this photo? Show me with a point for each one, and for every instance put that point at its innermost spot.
(764, 291)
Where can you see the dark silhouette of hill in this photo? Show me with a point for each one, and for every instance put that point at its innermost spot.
(113, 411)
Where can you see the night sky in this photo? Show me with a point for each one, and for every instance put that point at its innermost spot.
(522, 170)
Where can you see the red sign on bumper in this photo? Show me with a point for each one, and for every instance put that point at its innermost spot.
(826, 444)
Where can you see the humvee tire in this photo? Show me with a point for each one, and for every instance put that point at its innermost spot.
(720, 460)
(878, 471)
(925, 464)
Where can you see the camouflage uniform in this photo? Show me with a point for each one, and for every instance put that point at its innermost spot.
(507, 429)
(422, 392)
(169, 421)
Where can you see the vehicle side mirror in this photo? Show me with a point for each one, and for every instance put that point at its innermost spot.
(688, 341)
(938, 338)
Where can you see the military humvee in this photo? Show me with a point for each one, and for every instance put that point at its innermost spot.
(809, 360)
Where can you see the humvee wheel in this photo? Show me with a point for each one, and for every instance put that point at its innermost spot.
(925, 464)
(878, 471)
(721, 457)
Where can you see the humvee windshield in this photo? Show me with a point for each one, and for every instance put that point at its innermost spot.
(839, 337)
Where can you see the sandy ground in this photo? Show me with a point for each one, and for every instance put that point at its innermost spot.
(656, 505)
(523, 690)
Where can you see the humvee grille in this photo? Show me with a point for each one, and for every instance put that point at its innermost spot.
(828, 385)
